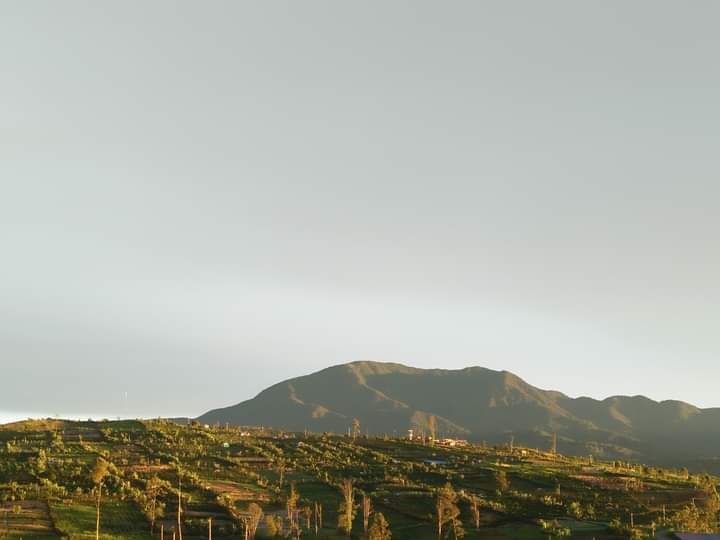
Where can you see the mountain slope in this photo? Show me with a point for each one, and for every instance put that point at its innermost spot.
(480, 404)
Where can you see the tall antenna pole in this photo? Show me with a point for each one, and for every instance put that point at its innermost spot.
(179, 525)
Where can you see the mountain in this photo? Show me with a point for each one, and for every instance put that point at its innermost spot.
(481, 404)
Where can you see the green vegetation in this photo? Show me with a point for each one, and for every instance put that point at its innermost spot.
(120, 519)
(57, 477)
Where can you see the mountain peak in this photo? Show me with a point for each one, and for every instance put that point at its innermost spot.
(475, 403)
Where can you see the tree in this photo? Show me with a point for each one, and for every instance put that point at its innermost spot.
(281, 464)
(41, 461)
(307, 514)
(291, 505)
(57, 444)
(98, 474)
(501, 481)
(367, 510)
(475, 510)
(273, 525)
(380, 529)
(711, 504)
(692, 518)
(318, 517)
(154, 509)
(576, 510)
(432, 426)
(346, 512)
(447, 512)
(554, 529)
(255, 515)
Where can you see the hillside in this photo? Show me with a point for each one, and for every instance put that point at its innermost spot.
(482, 405)
(294, 485)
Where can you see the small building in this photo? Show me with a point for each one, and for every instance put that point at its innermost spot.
(453, 442)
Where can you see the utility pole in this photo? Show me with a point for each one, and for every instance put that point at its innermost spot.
(97, 521)
(179, 510)
(209, 528)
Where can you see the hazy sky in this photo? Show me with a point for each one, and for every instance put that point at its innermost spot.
(199, 199)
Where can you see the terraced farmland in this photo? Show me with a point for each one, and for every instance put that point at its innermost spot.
(274, 484)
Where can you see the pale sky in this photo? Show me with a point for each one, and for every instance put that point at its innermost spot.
(200, 199)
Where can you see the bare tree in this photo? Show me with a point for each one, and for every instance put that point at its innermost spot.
(255, 515)
(307, 513)
(475, 510)
(447, 512)
(355, 428)
(367, 510)
(245, 520)
(291, 505)
(281, 465)
(346, 513)
(432, 426)
(439, 515)
(318, 517)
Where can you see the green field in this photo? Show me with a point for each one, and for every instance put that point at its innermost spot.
(47, 489)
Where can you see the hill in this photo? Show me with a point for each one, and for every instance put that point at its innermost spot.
(220, 477)
(481, 404)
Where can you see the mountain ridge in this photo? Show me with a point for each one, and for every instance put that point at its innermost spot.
(480, 404)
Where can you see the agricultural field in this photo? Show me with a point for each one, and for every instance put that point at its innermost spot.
(247, 483)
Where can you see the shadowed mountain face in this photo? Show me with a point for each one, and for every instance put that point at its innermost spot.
(481, 404)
